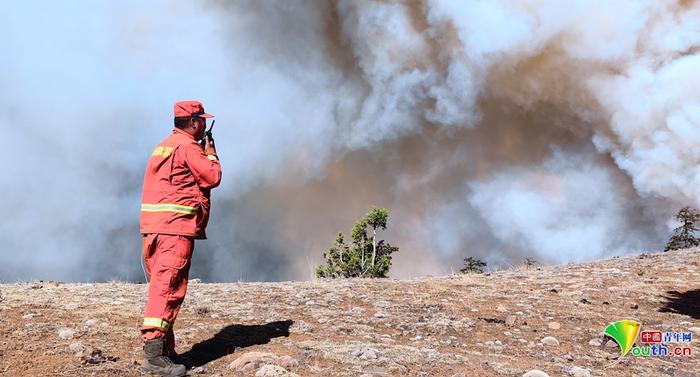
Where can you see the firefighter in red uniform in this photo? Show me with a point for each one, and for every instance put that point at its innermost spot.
(174, 212)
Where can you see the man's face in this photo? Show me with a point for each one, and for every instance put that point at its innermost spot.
(200, 125)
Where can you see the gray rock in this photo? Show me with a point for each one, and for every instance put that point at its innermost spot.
(301, 327)
(535, 373)
(66, 333)
(76, 347)
(550, 341)
(577, 371)
(198, 370)
(365, 353)
(510, 320)
(595, 342)
(250, 361)
(271, 370)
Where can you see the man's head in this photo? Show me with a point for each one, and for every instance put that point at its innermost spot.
(191, 118)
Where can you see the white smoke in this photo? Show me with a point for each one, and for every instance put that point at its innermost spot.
(564, 131)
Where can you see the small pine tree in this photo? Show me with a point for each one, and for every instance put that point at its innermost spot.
(684, 236)
(529, 262)
(472, 264)
(364, 256)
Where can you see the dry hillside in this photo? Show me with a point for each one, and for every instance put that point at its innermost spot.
(465, 325)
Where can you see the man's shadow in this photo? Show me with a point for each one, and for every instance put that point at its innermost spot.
(231, 337)
(687, 303)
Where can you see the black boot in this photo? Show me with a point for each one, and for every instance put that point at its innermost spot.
(157, 362)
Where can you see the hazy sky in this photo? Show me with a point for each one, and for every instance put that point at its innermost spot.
(564, 131)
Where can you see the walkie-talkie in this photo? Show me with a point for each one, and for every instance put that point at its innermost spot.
(207, 133)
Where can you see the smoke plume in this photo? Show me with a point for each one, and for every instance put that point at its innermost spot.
(562, 131)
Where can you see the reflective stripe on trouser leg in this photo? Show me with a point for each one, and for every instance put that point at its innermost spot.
(156, 322)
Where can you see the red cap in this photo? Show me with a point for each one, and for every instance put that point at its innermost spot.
(190, 109)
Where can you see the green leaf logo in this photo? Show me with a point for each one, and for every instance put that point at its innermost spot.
(625, 333)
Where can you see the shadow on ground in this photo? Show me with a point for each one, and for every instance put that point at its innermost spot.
(686, 303)
(232, 337)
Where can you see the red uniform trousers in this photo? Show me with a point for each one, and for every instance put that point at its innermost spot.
(167, 259)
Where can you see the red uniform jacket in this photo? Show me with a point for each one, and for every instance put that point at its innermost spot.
(176, 187)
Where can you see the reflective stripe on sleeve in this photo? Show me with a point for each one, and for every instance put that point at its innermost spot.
(168, 207)
(156, 322)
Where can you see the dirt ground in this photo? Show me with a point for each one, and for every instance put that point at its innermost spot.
(462, 325)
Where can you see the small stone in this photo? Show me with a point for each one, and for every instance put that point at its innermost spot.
(550, 341)
(365, 353)
(198, 370)
(91, 322)
(584, 301)
(578, 372)
(301, 327)
(634, 306)
(96, 356)
(66, 333)
(379, 315)
(76, 347)
(422, 374)
(287, 361)
(250, 361)
(595, 342)
(458, 375)
(535, 373)
(510, 321)
(310, 302)
(195, 281)
(611, 343)
(271, 370)
(554, 325)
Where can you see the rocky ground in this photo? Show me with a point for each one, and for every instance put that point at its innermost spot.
(506, 323)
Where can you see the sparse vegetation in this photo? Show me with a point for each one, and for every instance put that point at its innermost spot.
(529, 262)
(473, 265)
(684, 236)
(339, 321)
(364, 256)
